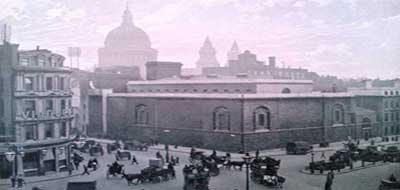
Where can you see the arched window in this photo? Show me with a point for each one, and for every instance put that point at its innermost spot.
(286, 91)
(221, 119)
(366, 123)
(262, 118)
(338, 114)
(141, 116)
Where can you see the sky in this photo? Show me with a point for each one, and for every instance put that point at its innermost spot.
(346, 38)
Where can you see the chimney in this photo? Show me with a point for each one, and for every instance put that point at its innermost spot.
(37, 47)
(367, 84)
(397, 83)
(272, 61)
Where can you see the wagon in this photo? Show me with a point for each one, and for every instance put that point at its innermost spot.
(123, 154)
(298, 148)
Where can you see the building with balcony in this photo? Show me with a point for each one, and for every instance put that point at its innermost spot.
(37, 110)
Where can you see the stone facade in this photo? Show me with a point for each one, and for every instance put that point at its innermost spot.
(197, 119)
(39, 110)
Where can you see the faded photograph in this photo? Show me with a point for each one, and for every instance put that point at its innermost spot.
(199, 94)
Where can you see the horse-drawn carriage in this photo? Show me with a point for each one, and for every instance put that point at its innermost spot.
(196, 178)
(388, 184)
(156, 174)
(135, 146)
(123, 154)
(113, 147)
(298, 148)
(213, 162)
(322, 166)
(115, 169)
(264, 170)
(392, 154)
(96, 150)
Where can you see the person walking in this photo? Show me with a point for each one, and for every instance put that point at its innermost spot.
(329, 180)
(257, 153)
(323, 155)
(134, 161)
(312, 156)
(85, 170)
(70, 168)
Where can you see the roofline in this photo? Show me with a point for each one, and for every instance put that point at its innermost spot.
(219, 81)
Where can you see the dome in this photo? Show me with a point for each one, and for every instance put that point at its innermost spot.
(127, 35)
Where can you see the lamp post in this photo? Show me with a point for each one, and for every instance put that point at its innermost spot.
(11, 156)
(247, 161)
(166, 131)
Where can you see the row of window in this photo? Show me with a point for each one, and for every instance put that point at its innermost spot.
(221, 117)
(32, 131)
(392, 116)
(31, 83)
(394, 130)
(39, 62)
(30, 107)
(284, 91)
(391, 104)
(391, 93)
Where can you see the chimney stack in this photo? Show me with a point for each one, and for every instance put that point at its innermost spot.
(37, 47)
(397, 83)
(367, 84)
(272, 61)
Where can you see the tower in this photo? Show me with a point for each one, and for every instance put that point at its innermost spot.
(207, 55)
(233, 53)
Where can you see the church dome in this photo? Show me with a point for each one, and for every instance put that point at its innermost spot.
(127, 35)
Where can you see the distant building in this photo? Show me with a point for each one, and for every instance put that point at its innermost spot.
(233, 53)
(160, 69)
(36, 110)
(385, 101)
(207, 55)
(247, 63)
(127, 46)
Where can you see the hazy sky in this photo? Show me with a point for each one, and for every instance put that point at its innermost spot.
(347, 38)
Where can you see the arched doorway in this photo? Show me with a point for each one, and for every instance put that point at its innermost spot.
(366, 128)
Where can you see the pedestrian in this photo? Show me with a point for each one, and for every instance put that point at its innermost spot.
(85, 170)
(13, 181)
(323, 155)
(312, 156)
(134, 161)
(257, 153)
(329, 180)
(70, 168)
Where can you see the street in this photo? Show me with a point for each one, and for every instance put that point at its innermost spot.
(366, 179)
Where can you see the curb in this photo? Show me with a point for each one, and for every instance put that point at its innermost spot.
(49, 179)
(307, 172)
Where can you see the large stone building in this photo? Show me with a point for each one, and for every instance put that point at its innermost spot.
(230, 120)
(36, 110)
(127, 46)
(247, 63)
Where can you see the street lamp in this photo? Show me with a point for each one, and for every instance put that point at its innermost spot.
(247, 160)
(167, 147)
(11, 156)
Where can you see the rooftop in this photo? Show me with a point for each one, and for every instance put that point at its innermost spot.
(225, 80)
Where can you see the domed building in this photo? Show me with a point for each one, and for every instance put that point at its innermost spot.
(127, 46)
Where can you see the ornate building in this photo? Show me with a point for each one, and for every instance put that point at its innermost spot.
(207, 55)
(36, 100)
(127, 46)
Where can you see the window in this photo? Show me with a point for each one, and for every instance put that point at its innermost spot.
(338, 114)
(49, 130)
(392, 116)
(386, 131)
(353, 118)
(397, 93)
(31, 132)
(49, 83)
(215, 90)
(42, 62)
(49, 105)
(286, 91)
(366, 123)
(392, 104)
(62, 105)
(29, 108)
(386, 104)
(24, 61)
(221, 119)
(262, 118)
(397, 116)
(141, 114)
(194, 90)
(226, 90)
(391, 93)
(63, 129)
(28, 83)
(386, 93)
(61, 83)
(205, 90)
(392, 130)
(386, 117)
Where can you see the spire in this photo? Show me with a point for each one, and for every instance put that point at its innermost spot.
(127, 16)
(234, 46)
(207, 45)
